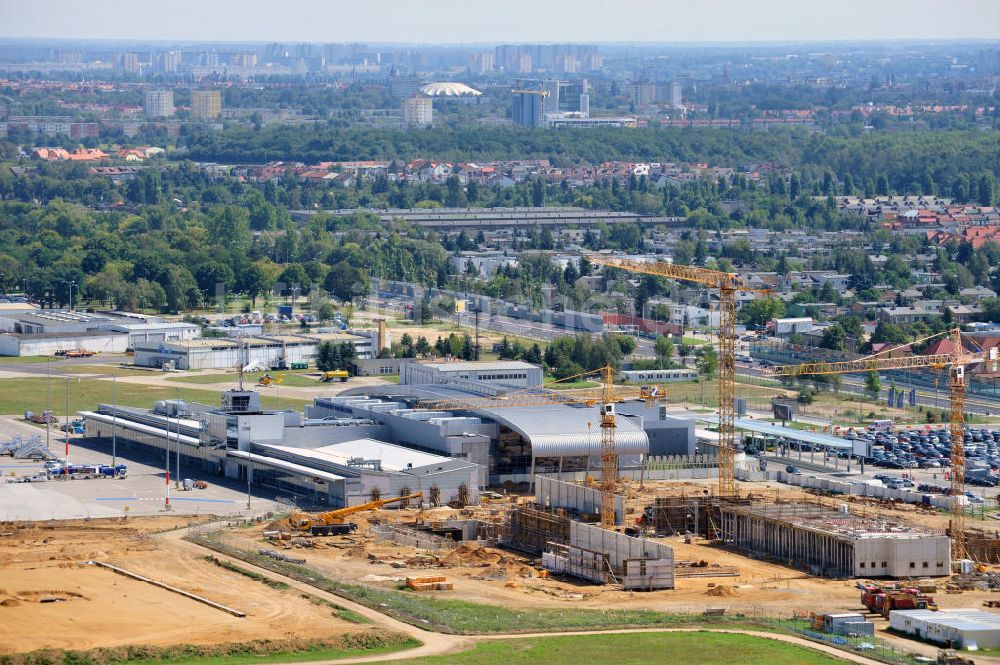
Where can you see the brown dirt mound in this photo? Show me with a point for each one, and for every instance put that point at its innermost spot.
(472, 555)
(723, 591)
(10, 602)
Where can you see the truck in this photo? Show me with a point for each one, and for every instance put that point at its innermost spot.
(87, 471)
(332, 522)
(340, 374)
(76, 353)
(882, 601)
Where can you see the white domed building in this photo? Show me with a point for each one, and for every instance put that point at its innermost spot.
(449, 89)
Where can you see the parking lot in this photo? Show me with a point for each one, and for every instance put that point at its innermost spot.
(917, 459)
(142, 492)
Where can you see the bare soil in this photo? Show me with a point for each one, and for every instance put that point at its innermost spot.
(50, 599)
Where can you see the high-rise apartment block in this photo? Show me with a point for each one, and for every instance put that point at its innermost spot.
(206, 104)
(676, 99)
(418, 111)
(130, 63)
(403, 86)
(170, 61)
(642, 93)
(482, 62)
(158, 103)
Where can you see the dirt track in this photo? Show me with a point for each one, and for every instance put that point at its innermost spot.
(441, 644)
(101, 608)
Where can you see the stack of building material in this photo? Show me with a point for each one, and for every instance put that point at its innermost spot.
(429, 584)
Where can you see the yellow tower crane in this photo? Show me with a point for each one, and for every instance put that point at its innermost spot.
(956, 362)
(727, 284)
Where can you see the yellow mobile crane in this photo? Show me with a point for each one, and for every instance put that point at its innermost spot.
(331, 522)
(727, 284)
(606, 397)
(956, 362)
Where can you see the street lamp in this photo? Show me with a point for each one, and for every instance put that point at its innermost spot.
(72, 283)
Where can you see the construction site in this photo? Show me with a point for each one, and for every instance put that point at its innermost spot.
(478, 483)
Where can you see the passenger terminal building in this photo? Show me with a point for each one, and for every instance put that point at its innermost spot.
(456, 428)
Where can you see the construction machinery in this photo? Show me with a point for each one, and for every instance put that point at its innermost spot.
(956, 362)
(882, 600)
(951, 657)
(334, 375)
(267, 380)
(332, 522)
(728, 284)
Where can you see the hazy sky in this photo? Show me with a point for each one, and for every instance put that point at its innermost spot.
(441, 21)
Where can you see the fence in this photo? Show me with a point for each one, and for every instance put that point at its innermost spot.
(842, 487)
(412, 537)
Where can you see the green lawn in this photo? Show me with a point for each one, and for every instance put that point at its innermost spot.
(255, 651)
(698, 648)
(299, 380)
(693, 341)
(573, 385)
(105, 369)
(390, 378)
(20, 395)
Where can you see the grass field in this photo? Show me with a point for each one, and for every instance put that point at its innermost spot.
(20, 395)
(106, 370)
(257, 651)
(23, 360)
(296, 379)
(698, 648)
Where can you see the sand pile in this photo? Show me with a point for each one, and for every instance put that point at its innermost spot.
(472, 555)
(723, 592)
(10, 602)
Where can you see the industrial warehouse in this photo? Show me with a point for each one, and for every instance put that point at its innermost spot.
(251, 350)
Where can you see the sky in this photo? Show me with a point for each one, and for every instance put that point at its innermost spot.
(491, 21)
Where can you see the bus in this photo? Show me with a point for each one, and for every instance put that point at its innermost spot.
(880, 425)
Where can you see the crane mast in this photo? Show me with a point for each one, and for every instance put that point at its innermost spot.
(609, 453)
(727, 284)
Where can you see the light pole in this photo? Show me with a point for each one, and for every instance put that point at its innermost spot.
(48, 412)
(71, 285)
(114, 421)
(177, 442)
(66, 428)
(166, 466)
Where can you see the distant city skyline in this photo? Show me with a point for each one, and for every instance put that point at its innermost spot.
(403, 21)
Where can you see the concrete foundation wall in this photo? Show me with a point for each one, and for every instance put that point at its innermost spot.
(617, 546)
(551, 493)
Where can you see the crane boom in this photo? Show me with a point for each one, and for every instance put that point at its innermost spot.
(307, 522)
(956, 363)
(727, 284)
(871, 364)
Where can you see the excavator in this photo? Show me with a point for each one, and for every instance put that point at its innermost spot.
(331, 522)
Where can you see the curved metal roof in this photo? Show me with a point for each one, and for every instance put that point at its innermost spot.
(562, 431)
